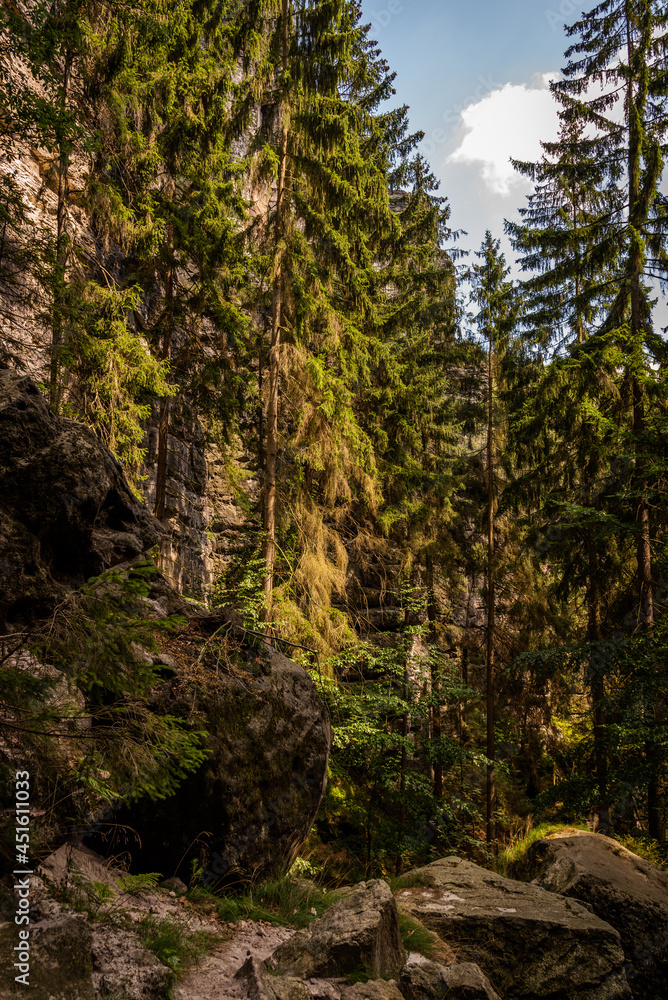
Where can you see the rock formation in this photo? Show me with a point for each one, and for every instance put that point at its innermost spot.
(509, 939)
(66, 510)
(529, 942)
(66, 514)
(361, 931)
(251, 805)
(624, 890)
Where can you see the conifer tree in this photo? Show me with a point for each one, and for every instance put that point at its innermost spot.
(331, 196)
(493, 294)
(171, 199)
(613, 99)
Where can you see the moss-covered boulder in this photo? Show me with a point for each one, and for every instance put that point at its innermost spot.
(249, 808)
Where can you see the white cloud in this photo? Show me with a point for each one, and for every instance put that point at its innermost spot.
(510, 121)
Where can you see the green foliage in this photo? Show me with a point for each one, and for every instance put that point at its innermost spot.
(173, 944)
(286, 900)
(380, 792)
(133, 884)
(104, 736)
(416, 937)
(510, 861)
(647, 849)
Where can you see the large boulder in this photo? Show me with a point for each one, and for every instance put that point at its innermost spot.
(66, 510)
(360, 933)
(425, 980)
(529, 942)
(248, 809)
(629, 893)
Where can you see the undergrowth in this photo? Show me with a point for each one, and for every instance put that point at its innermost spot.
(416, 937)
(646, 848)
(283, 900)
(172, 944)
(511, 861)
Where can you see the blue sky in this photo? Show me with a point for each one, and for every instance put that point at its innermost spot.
(475, 74)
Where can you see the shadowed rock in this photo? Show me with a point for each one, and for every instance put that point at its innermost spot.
(359, 932)
(425, 980)
(375, 989)
(628, 892)
(66, 510)
(531, 943)
(261, 985)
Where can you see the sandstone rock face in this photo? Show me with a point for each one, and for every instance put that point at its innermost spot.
(629, 893)
(66, 511)
(530, 943)
(359, 932)
(425, 980)
(253, 802)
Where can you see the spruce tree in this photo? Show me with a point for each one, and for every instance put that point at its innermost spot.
(493, 294)
(330, 196)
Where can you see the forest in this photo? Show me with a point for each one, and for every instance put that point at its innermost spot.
(454, 481)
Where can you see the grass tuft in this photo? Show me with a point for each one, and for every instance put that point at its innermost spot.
(288, 901)
(409, 881)
(172, 945)
(417, 937)
(510, 861)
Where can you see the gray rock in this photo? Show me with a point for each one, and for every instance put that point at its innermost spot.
(375, 989)
(261, 985)
(359, 932)
(531, 943)
(425, 980)
(176, 885)
(74, 863)
(629, 893)
(123, 967)
(253, 802)
(60, 963)
(66, 510)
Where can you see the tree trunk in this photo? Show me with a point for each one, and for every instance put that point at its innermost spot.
(491, 750)
(636, 105)
(598, 692)
(274, 351)
(435, 686)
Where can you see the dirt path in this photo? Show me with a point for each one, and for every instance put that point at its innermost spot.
(213, 978)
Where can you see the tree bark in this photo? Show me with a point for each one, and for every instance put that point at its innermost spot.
(598, 692)
(491, 749)
(636, 106)
(274, 351)
(435, 680)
